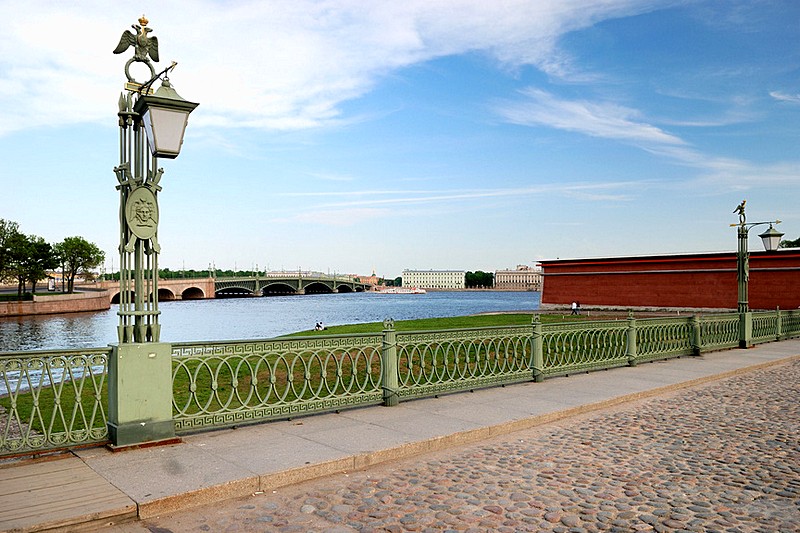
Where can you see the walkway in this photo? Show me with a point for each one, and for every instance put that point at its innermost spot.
(720, 457)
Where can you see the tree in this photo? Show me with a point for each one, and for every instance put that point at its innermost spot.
(8, 230)
(790, 244)
(479, 279)
(41, 258)
(78, 257)
(18, 252)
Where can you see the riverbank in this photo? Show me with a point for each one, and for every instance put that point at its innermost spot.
(56, 304)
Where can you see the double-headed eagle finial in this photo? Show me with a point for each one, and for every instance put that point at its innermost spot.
(143, 46)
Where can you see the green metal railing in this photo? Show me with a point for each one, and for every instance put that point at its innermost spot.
(718, 332)
(434, 362)
(583, 346)
(52, 399)
(221, 384)
(57, 399)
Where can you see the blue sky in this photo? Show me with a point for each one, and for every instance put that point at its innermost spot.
(347, 135)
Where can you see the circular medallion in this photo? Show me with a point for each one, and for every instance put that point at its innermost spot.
(141, 212)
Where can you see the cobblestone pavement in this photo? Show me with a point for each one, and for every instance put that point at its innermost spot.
(722, 457)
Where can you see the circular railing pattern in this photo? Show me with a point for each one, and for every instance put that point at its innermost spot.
(228, 384)
(570, 347)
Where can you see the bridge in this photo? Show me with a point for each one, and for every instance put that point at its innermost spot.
(268, 284)
(275, 283)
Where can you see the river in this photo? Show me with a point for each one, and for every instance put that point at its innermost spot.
(254, 318)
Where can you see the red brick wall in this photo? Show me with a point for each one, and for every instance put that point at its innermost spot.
(699, 281)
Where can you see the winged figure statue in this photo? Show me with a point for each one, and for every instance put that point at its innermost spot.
(740, 211)
(143, 45)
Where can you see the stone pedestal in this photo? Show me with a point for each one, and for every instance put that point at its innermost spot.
(140, 394)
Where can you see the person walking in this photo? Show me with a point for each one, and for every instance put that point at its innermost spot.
(574, 308)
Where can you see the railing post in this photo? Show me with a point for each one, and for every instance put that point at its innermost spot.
(631, 334)
(697, 335)
(778, 324)
(537, 355)
(389, 376)
(140, 394)
(745, 329)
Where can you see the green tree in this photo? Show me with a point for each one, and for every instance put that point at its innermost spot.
(40, 258)
(18, 252)
(790, 244)
(78, 257)
(479, 279)
(8, 230)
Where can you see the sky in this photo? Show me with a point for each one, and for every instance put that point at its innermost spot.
(352, 136)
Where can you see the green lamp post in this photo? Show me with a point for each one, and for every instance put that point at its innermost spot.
(152, 125)
(771, 238)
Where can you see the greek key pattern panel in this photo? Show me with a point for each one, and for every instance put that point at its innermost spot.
(248, 416)
(465, 385)
(463, 334)
(291, 344)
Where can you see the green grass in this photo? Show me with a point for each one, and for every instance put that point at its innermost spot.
(472, 321)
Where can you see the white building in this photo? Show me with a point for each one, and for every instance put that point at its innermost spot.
(523, 278)
(435, 279)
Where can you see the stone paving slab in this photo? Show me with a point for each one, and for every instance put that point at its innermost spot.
(220, 465)
(61, 492)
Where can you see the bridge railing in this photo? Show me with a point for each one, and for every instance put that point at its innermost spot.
(52, 399)
(221, 384)
(56, 399)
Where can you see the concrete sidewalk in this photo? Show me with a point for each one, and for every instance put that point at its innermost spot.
(95, 487)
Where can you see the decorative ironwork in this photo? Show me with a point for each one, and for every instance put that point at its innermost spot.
(765, 326)
(435, 362)
(224, 384)
(659, 338)
(583, 346)
(52, 399)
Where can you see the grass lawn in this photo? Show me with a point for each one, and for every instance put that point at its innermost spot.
(473, 321)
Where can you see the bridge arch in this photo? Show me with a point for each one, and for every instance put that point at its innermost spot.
(165, 295)
(233, 292)
(276, 289)
(193, 293)
(318, 287)
(344, 288)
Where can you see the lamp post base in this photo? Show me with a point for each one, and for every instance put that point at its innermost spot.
(745, 330)
(140, 394)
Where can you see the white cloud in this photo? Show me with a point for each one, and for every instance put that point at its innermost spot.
(783, 97)
(607, 120)
(260, 64)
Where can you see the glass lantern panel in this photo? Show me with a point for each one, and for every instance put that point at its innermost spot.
(165, 129)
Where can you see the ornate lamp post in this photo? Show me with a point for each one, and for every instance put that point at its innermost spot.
(771, 238)
(151, 125)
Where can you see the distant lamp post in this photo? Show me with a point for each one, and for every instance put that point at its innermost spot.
(151, 125)
(771, 239)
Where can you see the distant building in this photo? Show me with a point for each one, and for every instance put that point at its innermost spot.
(523, 278)
(435, 279)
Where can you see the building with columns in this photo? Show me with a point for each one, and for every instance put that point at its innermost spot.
(523, 278)
(435, 279)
